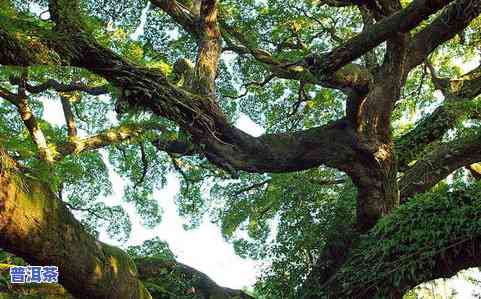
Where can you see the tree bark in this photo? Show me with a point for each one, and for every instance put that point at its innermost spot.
(164, 277)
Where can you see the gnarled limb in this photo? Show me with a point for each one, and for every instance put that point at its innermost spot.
(20, 101)
(108, 137)
(434, 167)
(225, 145)
(164, 277)
(209, 48)
(152, 269)
(430, 129)
(375, 172)
(180, 13)
(352, 76)
(450, 22)
(399, 22)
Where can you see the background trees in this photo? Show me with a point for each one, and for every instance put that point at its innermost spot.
(363, 185)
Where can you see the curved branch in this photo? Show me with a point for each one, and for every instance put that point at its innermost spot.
(430, 129)
(20, 101)
(455, 18)
(179, 13)
(333, 145)
(352, 76)
(224, 145)
(439, 164)
(152, 268)
(443, 118)
(108, 137)
(399, 22)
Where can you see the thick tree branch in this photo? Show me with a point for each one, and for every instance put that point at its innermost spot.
(179, 13)
(152, 269)
(321, 68)
(399, 22)
(69, 117)
(352, 76)
(20, 101)
(157, 273)
(109, 137)
(437, 165)
(209, 48)
(375, 172)
(206, 29)
(450, 22)
(224, 145)
(430, 129)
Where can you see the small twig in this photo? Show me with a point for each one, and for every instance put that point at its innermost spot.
(257, 83)
(302, 97)
(88, 210)
(145, 166)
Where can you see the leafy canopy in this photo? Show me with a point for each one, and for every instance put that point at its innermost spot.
(283, 219)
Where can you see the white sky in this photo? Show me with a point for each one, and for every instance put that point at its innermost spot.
(202, 248)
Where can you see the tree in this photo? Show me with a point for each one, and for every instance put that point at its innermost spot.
(359, 187)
